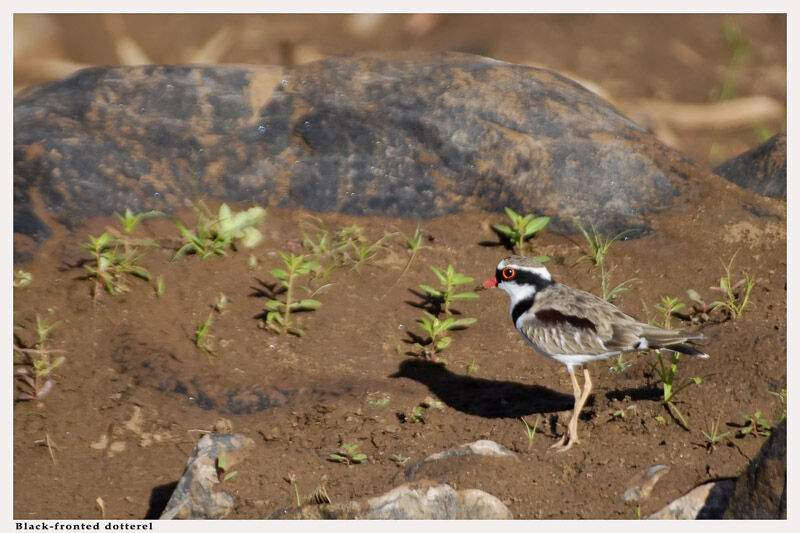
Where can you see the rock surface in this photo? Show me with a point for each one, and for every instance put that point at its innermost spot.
(761, 170)
(422, 500)
(413, 136)
(706, 501)
(761, 490)
(484, 448)
(195, 497)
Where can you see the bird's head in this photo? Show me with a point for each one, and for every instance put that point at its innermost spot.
(521, 277)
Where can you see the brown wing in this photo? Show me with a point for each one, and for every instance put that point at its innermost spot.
(573, 321)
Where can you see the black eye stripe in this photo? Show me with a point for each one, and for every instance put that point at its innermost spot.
(523, 277)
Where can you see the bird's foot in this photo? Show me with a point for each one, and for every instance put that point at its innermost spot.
(565, 443)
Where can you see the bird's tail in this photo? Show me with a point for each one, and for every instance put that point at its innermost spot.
(674, 340)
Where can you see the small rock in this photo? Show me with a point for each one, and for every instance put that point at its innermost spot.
(423, 500)
(706, 501)
(194, 497)
(640, 487)
(486, 448)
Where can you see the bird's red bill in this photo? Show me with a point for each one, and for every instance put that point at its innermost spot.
(490, 283)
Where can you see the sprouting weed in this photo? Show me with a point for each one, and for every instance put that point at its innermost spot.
(736, 300)
(216, 233)
(756, 425)
(713, 438)
(400, 459)
(667, 307)
(278, 317)
(700, 308)
(600, 246)
(437, 333)
(530, 432)
(448, 281)
(37, 364)
(203, 337)
(113, 262)
(666, 373)
(22, 279)
(415, 245)
(521, 230)
(348, 455)
(782, 397)
(222, 467)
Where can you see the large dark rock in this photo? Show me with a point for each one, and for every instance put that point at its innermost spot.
(762, 169)
(761, 490)
(412, 136)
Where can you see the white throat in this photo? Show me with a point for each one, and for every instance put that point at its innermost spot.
(517, 292)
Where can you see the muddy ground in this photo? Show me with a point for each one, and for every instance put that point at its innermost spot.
(135, 393)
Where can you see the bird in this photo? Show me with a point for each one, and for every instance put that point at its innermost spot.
(575, 327)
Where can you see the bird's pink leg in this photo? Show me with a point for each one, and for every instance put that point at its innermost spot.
(570, 436)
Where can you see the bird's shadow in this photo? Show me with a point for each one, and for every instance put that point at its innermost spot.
(483, 397)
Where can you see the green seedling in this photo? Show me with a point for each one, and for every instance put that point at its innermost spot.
(620, 364)
(278, 317)
(472, 367)
(736, 300)
(415, 245)
(622, 413)
(22, 279)
(530, 432)
(359, 249)
(51, 446)
(715, 436)
(202, 337)
(756, 425)
(222, 467)
(448, 281)
(159, 286)
(666, 373)
(130, 219)
(378, 399)
(667, 307)
(214, 234)
(38, 363)
(600, 246)
(437, 333)
(292, 479)
(112, 265)
(400, 459)
(700, 308)
(348, 455)
(221, 303)
(782, 397)
(349, 245)
(252, 262)
(521, 230)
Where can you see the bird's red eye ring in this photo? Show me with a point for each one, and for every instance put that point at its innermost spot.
(509, 273)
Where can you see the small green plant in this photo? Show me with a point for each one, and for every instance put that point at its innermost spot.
(112, 265)
(22, 279)
(292, 479)
(782, 397)
(621, 414)
(348, 455)
(437, 333)
(736, 300)
(666, 373)
(130, 219)
(472, 367)
(667, 307)
(400, 459)
(415, 245)
(378, 399)
(449, 280)
(755, 424)
(700, 308)
(620, 364)
(278, 317)
(159, 286)
(530, 432)
(600, 246)
(214, 234)
(521, 230)
(713, 438)
(349, 245)
(222, 467)
(37, 363)
(202, 337)
(221, 303)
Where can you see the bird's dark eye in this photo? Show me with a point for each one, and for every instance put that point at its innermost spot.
(509, 273)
